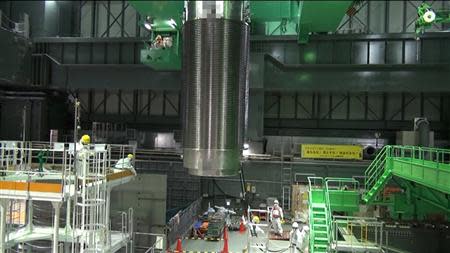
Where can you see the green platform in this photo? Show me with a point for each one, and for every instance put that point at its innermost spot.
(422, 173)
(327, 196)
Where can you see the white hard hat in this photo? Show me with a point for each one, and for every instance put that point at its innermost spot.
(276, 202)
(295, 225)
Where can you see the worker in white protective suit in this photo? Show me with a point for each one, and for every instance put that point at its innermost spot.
(126, 163)
(83, 154)
(303, 244)
(276, 216)
(299, 238)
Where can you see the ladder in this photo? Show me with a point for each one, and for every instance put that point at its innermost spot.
(319, 216)
(320, 227)
(286, 187)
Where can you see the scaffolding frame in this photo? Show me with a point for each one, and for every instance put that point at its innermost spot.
(80, 177)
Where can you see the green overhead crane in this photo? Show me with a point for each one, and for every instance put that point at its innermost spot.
(164, 19)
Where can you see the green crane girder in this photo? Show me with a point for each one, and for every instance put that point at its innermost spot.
(269, 18)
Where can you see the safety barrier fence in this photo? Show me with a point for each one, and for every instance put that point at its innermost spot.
(180, 224)
(358, 233)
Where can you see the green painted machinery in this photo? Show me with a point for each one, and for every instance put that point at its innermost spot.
(325, 197)
(427, 17)
(164, 19)
(422, 175)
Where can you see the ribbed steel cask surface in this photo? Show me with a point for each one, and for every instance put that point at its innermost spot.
(215, 86)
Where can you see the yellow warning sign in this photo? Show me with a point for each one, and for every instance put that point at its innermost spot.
(325, 151)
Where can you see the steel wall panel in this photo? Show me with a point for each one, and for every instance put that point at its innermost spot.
(342, 52)
(356, 106)
(377, 51)
(359, 52)
(431, 50)
(411, 53)
(112, 102)
(98, 52)
(394, 52)
(84, 52)
(325, 52)
(113, 54)
(70, 53)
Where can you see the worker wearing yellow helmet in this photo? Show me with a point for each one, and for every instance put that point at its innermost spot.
(85, 140)
(126, 163)
(254, 226)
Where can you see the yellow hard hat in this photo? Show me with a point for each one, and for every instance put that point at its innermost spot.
(85, 139)
(255, 219)
(130, 156)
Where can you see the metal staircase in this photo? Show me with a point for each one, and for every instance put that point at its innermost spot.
(376, 175)
(319, 218)
(424, 173)
(286, 187)
(326, 196)
(427, 167)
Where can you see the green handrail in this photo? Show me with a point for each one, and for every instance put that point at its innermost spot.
(314, 182)
(412, 153)
(376, 168)
(341, 182)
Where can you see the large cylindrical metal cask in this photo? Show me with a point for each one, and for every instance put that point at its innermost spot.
(215, 83)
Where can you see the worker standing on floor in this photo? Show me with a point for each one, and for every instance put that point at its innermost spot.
(295, 238)
(276, 215)
(303, 241)
(126, 163)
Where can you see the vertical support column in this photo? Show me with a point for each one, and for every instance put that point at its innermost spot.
(30, 216)
(68, 220)
(107, 223)
(57, 208)
(68, 227)
(3, 207)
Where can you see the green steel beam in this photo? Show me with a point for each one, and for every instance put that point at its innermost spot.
(159, 11)
(299, 18)
(320, 16)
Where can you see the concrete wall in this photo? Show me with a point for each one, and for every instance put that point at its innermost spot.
(147, 196)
